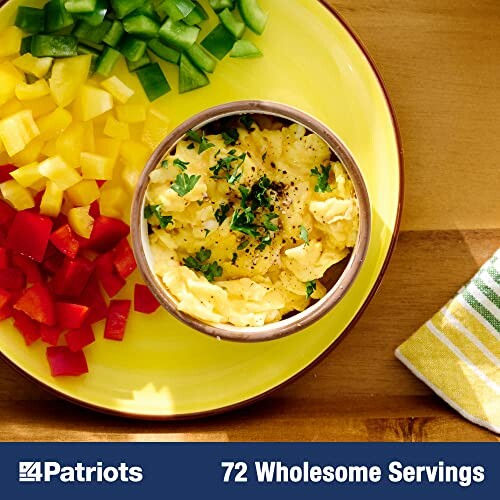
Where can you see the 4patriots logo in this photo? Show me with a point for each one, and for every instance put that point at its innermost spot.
(36, 472)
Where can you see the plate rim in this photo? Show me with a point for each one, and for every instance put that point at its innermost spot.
(246, 402)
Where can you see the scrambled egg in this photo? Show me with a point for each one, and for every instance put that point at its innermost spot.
(244, 224)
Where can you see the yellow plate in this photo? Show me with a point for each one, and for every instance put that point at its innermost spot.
(165, 370)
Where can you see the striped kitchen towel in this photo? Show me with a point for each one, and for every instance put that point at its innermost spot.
(457, 352)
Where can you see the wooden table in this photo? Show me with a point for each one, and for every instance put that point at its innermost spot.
(440, 64)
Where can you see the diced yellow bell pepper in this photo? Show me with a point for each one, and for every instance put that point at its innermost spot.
(130, 176)
(67, 77)
(10, 107)
(89, 137)
(38, 66)
(27, 92)
(51, 200)
(27, 175)
(39, 185)
(116, 129)
(117, 89)
(30, 153)
(18, 196)
(10, 41)
(113, 202)
(9, 78)
(83, 193)
(108, 147)
(50, 148)
(54, 123)
(131, 113)
(80, 221)
(42, 106)
(134, 153)
(92, 102)
(58, 171)
(69, 144)
(17, 130)
(156, 128)
(96, 167)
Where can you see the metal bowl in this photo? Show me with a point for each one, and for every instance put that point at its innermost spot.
(338, 281)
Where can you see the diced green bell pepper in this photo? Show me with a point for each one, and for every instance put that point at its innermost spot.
(54, 46)
(96, 17)
(255, 18)
(201, 58)
(178, 35)
(107, 61)
(133, 48)
(164, 52)
(30, 20)
(190, 77)
(114, 34)
(56, 16)
(148, 10)
(25, 45)
(88, 33)
(233, 25)
(153, 81)
(125, 7)
(94, 53)
(219, 41)
(80, 6)
(178, 9)
(245, 49)
(134, 66)
(219, 5)
(197, 15)
(141, 26)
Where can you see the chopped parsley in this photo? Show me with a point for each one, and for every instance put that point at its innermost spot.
(322, 185)
(243, 221)
(230, 137)
(200, 139)
(267, 222)
(257, 195)
(221, 213)
(200, 263)
(184, 183)
(310, 288)
(207, 232)
(164, 164)
(243, 245)
(304, 235)
(224, 168)
(181, 164)
(163, 220)
(264, 156)
(264, 242)
(191, 146)
(234, 259)
(204, 145)
(247, 121)
(194, 136)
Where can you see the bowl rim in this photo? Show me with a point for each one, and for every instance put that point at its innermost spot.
(300, 320)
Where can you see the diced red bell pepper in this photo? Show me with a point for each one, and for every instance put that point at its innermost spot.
(29, 234)
(12, 279)
(64, 240)
(63, 361)
(101, 183)
(38, 199)
(59, 221)
(123, 259)
(71, 315)
(38, 304)
(144, 301)
(53, 260)
(106, 233)
(93, 298)
(80, 338)
(4, 258)
(72, 277)
(5, 297)
(117, 319)
(109, 278)
(95, 210)
(5, 171)
(50, 334)
(6, 312)
(27, 327)
(29, 267)
(7, 214)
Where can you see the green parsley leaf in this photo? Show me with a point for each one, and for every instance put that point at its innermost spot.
(164, 164)
(222, 212)
(163, 220)
(304, 234)
(310, 288)
(199, 263)
(264, 242)
(204, 145)
(204, 254)
(243, 222)
(322, 185)
(245, 193)
(207, 232)
(258, 195)
(181, 164)
(267, 222)
(247, 121)
(224, 168)
(243, 245)
(191, 146)
(194, 136)
(234, 259)
(185, 183)
(230, 137)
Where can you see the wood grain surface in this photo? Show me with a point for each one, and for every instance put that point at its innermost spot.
(440, 64)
